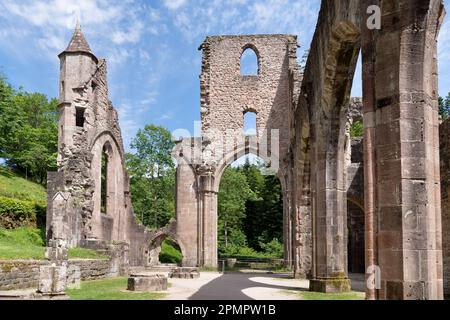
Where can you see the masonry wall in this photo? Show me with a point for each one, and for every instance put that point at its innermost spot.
(24, 274)
(444, 146)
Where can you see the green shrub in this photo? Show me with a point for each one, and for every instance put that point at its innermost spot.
(170, 253)
(233, 250)
(273, 249)
(357, 129)
(18, 213)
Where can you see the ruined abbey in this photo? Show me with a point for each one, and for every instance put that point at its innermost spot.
(377, 205)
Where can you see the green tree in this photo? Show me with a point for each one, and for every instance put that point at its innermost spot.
(29, 132)
(6, 97)
(357, 129)
(152, 172)
(264, 214)
(444, 107)
(233, 194)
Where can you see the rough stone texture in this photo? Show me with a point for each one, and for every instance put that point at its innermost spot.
(23, 274)
(146, 283)
(311, 152)
(401, 146)
(20, 274)
(185, 273)
(52, 280)
(88, 128)
(402, 197)
(444, 132)
(226, 96)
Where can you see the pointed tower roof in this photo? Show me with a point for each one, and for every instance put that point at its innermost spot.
(78, 43)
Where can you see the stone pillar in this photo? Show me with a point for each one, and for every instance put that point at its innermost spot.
(208, 207)
(329, 213)
(444, 141)
(403, 221)
(287, 229)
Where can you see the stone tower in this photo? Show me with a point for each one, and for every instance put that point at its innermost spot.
(77, 66)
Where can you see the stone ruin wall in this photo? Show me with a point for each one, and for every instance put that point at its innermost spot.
(444, 141)
(226, 95)
(73, 211)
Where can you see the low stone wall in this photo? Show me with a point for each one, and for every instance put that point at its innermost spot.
(93, 269)
(23, 274)
(20, 274)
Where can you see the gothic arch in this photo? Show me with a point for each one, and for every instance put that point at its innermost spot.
(112, 225)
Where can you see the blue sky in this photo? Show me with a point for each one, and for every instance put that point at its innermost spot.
(151, 47)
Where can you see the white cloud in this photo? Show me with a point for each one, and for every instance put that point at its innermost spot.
(174, 4)
(241, 16)
(110, 26)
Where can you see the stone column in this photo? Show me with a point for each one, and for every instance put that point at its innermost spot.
(329, 212)
(208, 207)
(403, 221)
(287, 229)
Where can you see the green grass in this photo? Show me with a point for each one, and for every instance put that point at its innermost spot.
(307, 295)
(169, 253)
(21, 243)
(110, 289)
(82, 253)
(16, 187)
(28, 243)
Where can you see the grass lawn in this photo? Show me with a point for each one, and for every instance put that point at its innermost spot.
(22, 243)
(14, 186)
(353, 295)
(28, 243)
(110, 289)
(82, 253)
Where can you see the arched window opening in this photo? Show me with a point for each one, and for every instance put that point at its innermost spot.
(104, 181)
(249, 63)
(250, 128)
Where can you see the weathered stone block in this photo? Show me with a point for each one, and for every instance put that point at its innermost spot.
(330, 285)
(52, 280)
(185, 273)
(155, 282)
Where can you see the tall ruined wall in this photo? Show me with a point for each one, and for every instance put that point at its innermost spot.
(226, 95)
(444, 148)
(89, 130)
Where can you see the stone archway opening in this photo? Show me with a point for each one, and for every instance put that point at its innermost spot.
(163, 248)
(250, 211)
(170, 252)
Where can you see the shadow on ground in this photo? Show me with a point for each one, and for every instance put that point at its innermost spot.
(230, 286)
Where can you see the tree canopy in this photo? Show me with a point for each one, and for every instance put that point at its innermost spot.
(28, 131)
(152, 172)
(250, 212)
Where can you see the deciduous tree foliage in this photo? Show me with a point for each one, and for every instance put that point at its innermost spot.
(444, 107)
(250, 210)
(152, 172)
(28, 131)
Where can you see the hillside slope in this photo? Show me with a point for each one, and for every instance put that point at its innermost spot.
(14, 186)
